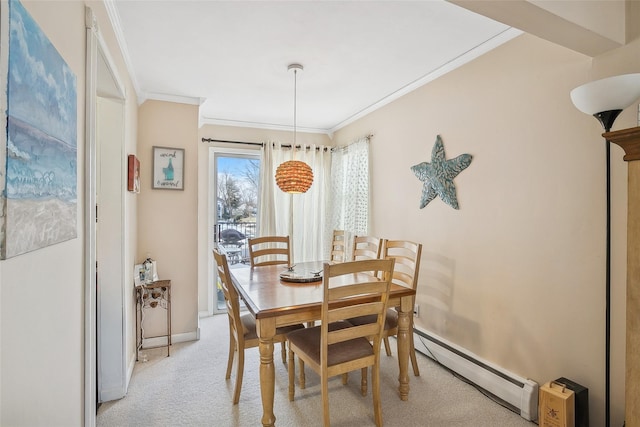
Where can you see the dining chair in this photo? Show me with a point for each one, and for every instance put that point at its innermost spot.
(407, 267)
(336, 346)
(269, 250)
(366, 247)
(242, 329)
(338, 246)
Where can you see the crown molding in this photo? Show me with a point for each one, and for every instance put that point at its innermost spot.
(191, 100)
(258, 125)
(114, 18)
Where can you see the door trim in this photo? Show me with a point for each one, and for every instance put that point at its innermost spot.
(95, 46)
(212, 214)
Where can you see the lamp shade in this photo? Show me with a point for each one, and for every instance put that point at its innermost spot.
(611, 93)
(294, 176)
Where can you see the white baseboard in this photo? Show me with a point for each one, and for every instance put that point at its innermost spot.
(518, 392)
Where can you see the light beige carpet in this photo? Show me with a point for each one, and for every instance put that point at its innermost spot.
(189, 389)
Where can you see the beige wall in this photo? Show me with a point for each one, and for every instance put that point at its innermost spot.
(517, 275)
(42, 293)
(167, 219)
(42, 307)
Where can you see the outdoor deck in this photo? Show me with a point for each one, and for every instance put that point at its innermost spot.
(233, 237)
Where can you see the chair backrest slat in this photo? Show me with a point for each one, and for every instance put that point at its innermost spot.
(348, 334)
(269, 250)
(352, 311)
(338, 246)
(355, 289)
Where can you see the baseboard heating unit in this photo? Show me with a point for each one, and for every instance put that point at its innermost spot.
(518, 393)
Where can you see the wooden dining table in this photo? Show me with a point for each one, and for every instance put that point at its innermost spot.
(274, 303)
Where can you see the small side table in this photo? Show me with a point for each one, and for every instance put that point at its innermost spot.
(152, 295)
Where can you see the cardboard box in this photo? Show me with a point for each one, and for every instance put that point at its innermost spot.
(556, 406)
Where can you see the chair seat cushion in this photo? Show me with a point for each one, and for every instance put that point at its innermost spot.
(249, 325)
(390, 322)
(308, 341)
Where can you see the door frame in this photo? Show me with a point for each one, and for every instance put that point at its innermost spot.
(101, 79)
(212, 214)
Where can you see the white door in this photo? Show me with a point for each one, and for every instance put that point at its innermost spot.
(110, 295)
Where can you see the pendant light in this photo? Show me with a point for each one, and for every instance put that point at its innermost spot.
(294, 176)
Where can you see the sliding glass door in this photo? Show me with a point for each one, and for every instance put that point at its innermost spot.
(235, 184)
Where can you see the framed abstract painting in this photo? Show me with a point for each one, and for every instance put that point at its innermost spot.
(38, 142)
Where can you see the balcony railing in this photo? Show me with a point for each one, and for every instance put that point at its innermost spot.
(233, 237)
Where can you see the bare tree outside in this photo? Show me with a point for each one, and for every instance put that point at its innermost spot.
(251, 173)
(230, 194)
(238, 184)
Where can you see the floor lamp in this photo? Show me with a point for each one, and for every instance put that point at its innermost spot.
(605, 99)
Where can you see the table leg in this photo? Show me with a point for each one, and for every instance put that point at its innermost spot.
(138, 333)
(406, 310)
(266, 330)
(168, 321)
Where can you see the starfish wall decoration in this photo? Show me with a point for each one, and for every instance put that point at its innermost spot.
(438, 175)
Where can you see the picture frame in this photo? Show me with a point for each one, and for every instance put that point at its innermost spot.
(133, 171)
(168, 168)
(38, 141)
(138, 275)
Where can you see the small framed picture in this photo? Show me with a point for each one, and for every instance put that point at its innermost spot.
(133, 179)
(138, 275)
(168, 168)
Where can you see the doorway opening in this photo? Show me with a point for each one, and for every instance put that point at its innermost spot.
(105, 361)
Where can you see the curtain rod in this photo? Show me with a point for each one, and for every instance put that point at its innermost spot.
(261, 144)
(232, 142)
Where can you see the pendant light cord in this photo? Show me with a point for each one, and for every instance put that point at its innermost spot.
(295, 109)
(293, 156)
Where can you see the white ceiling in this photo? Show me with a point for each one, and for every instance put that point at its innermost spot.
(232, 56)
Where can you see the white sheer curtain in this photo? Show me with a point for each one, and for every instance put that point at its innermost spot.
(350, 191)
(308, 211)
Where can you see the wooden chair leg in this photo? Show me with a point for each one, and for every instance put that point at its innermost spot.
(239, 374)
(292, 373)
(363, 381)
(345, 378)
(284, 352)
(301, 378)
(377, 408)
(387, 348)
(412, 354)
(232, 350)
(325, 401)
